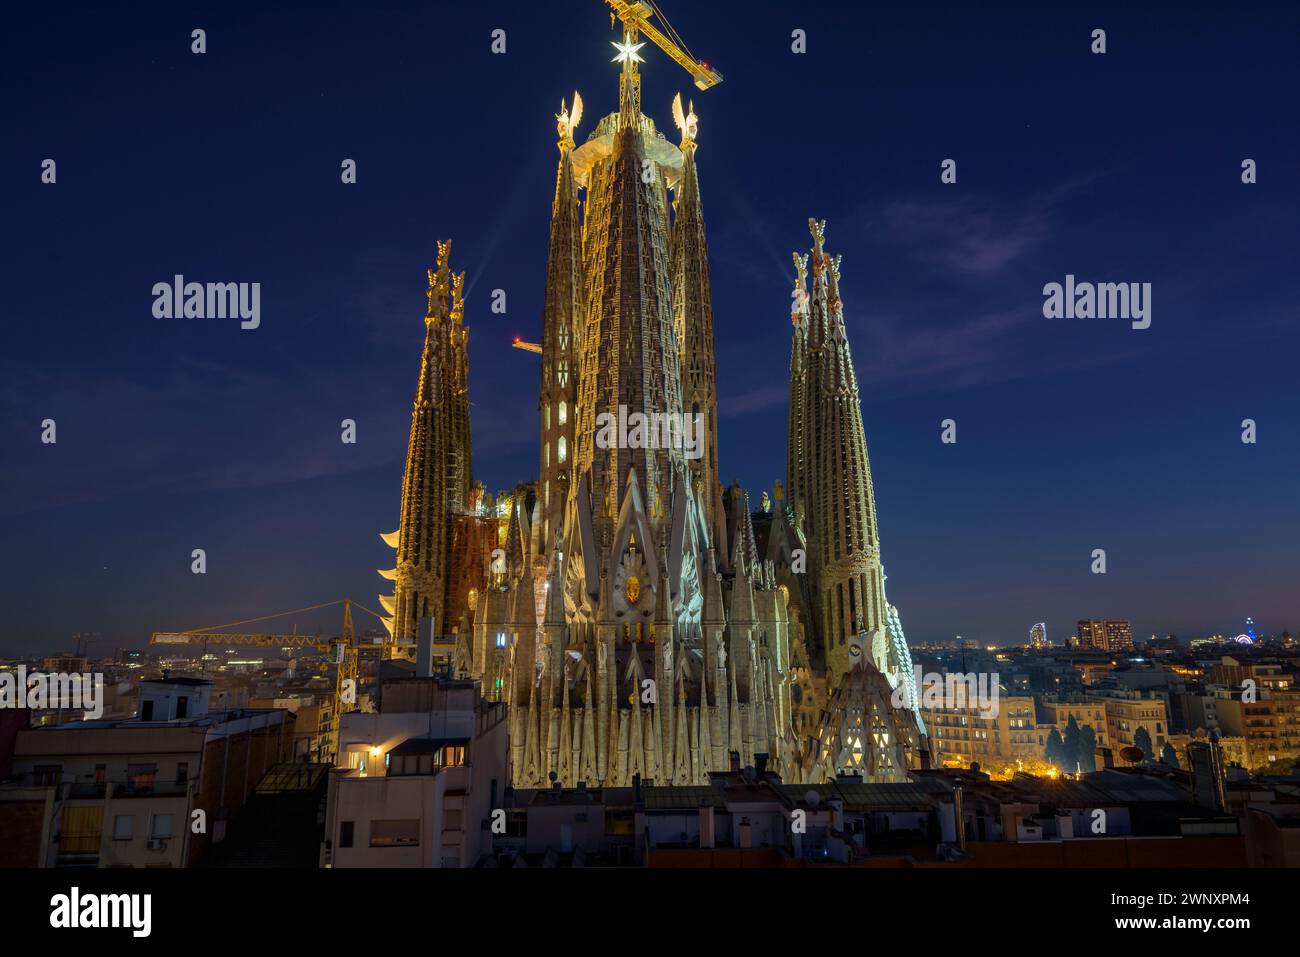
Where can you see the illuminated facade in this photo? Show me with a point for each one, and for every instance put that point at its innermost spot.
(437, 483)
(638, 619)
(1109, 634)
(962, 735)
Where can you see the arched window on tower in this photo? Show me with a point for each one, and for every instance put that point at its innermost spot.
(563, 450)
(564, 412)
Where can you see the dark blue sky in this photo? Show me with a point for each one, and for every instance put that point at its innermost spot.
(1072, 435)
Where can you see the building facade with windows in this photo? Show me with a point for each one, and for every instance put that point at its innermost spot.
(418, 781)
(125, 793)
(1108, 634)
(960, 736)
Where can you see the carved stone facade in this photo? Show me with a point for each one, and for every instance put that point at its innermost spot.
(639, 619)
(437, 484)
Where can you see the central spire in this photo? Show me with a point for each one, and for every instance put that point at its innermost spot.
(629, 81)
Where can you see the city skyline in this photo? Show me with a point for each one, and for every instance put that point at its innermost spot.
(180, 434)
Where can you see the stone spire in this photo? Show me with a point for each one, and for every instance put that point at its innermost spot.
(796, 463)
(693, 320)
(562, 322)
(630, 357)
(841, 519)
(437, 481)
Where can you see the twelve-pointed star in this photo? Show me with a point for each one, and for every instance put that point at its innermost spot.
(627, 50)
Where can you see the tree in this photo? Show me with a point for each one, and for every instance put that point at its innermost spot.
(1088, 748)
(1055, 751)
(1070, 754)
(1142, 739)
(1169, 756)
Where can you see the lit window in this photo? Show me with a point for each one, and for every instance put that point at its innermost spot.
(563, 450)
(501, 639)
(404, 833)
(564, 412)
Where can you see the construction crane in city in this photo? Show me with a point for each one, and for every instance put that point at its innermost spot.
(343, 652)
(526, 346)
(635, 18)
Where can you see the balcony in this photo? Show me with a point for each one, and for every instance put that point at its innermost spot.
(140, 789)
(86, 791)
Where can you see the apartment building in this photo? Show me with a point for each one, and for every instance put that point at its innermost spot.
(1107, 634)
(154, 791)
(1269, 725)
(1086, 712)
(418, 781)
(966, 734)
(314, 725)
(1127, 711)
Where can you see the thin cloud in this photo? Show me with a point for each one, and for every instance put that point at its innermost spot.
(968, 236)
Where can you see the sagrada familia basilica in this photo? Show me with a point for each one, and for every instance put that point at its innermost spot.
(638, 617)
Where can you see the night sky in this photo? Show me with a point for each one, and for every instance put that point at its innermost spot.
(1072, 434)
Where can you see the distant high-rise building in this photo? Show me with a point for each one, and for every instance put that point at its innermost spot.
(1038, 635)
(1106, 634)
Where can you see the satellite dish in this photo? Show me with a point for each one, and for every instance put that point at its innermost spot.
(812, 798)
(1132, 755)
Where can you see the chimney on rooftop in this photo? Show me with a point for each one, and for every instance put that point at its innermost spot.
(735, 761)
(707, 835)
(424, 649)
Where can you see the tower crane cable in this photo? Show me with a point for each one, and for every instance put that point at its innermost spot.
(281, 614)
(672, 33)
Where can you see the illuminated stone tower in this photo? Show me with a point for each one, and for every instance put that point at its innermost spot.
(693, 315)
(796, 461)
(562, 327)
(638, 622)
(831, 490)
(630, 360)
(437, 483)
(614, 614)
(841, 500)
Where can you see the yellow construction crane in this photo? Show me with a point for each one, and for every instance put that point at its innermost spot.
(635, 18)
(343, 653)
(527, 346)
